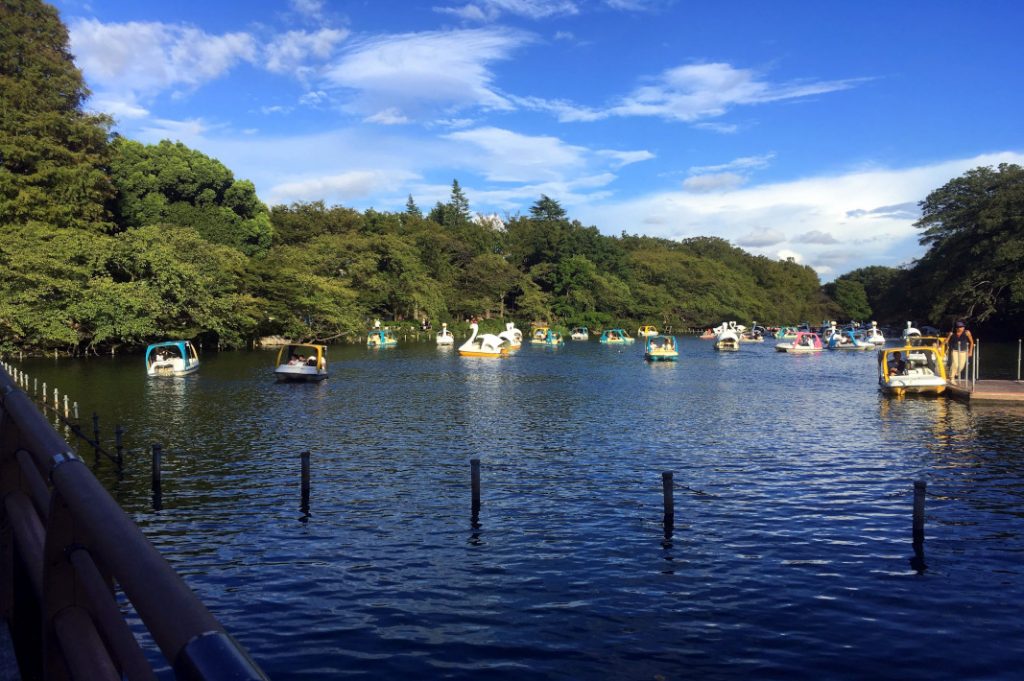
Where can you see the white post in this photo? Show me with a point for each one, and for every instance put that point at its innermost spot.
(1018, 360)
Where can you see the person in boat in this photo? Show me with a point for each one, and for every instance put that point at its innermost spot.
(897, 366)
(961, 346)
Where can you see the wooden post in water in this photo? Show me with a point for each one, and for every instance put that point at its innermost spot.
(474, 468)
(666, 493)
(920, 487)
(158, 455)
(66, 408)
(118, 444)
(55, 399)
(305, 482)
(96, 434)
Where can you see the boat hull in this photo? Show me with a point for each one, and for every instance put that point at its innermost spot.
(173, 371)
(484, 353)
(659, 357)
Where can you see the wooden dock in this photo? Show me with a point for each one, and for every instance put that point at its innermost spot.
(987, 391)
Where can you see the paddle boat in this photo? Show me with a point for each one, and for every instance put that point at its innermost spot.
(874, 335)
(171, 358)
(661, 348)
(849, 340)
(381, 338)
(645, 331)
(910, 332)
(805, 342)
(912, 371)
(709, 334)
(445, 336)
(512, 335)
(727, 336)
(301, 362)
(543, 335)
(786, 333)
(616, 336)
(579, 333)
(483, 345)
(754, 335)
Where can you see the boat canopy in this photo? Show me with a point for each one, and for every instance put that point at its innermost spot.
(302, 354)
(170, 349)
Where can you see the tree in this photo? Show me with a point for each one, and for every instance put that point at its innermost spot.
(52, 154)
(170, 183)
(456, 211)
(851, 299)
(547, 209)
(411, 209)
(974, 228)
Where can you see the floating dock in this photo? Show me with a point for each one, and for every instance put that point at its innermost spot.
(987, 391)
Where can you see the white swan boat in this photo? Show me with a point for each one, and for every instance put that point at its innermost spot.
(512, 335)
(910, 332)
(483, 345)
(874, 335)
(445, 336)
(727, 336)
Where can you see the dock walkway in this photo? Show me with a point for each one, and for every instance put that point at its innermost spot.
(988, 391)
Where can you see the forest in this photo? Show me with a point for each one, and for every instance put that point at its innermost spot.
(110, 244)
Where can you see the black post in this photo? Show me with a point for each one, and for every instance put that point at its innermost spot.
(474, 467)
(666, 493)
(305, 482)
(119, 444)
(96, 434)
(158, 455)
(919, 491)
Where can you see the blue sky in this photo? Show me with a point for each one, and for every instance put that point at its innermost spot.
(793, 129)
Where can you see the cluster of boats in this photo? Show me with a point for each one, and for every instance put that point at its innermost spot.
(918, 366)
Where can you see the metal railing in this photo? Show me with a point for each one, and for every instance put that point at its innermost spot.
(66, 550)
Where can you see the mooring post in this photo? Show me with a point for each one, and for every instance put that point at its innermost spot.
(35, 381)
(158, 455)
(666, 493)
(74, 407)
(66, 408)
(474, 468)
(1018, 360)
(118, 444)
(920, 487)
(305, 482)
(96, 434)
(55, 398)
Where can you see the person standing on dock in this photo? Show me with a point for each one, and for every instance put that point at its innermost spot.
(961, 346)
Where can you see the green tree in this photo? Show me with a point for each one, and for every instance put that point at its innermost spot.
(52, 154)
(974, 228)
(850, 298)
(170, 183)
(547, 208)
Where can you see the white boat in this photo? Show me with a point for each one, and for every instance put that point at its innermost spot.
(849, 340)
(727, 336)
(910, 332)
(483, 345)
(580, 333)
(805, 342)
(445, 336)
(512, 335)
(301, 363)
(912, 370)
(874, 335)
(171, 358)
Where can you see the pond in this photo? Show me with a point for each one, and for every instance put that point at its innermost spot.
(790, 556)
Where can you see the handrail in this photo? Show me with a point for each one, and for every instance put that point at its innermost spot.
(86, 534)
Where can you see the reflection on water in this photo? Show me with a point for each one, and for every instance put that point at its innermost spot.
(791, 554)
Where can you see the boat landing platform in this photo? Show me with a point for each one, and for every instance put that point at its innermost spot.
(987, 391)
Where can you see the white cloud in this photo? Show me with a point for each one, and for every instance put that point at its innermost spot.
(138, 58)
(512, 157)
(742, 163)
(761, 238)
(310, 8)
(387, 117)
(824, 218)
(408, 71)
(713, 182)
(625, 158)
(354, 184)
(288, 52)
(491, 10)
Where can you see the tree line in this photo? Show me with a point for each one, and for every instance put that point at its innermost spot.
(109, 243)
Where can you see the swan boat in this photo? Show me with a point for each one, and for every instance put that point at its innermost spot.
(579, 333)
(445, 336)
(171, 358)
(805, 342)
(910, 332)
(874, 335)
(849, 340)
(661, 348)
(381, 338)
(646, 331)
(483, 345)
(301, 363)
(512, 335)
(709, 334)
(786, 333)
(616, 336)
(923, 371)
(543, 335)
(727, 336)
(754, 335)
